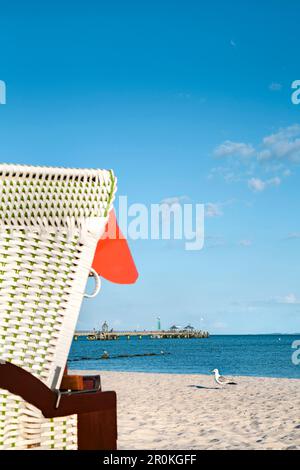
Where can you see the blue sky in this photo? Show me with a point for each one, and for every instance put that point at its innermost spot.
(181, 99)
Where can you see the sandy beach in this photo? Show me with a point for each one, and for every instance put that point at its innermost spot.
(170, 411)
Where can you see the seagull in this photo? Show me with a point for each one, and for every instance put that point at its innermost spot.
(105, 355)
(220, 379)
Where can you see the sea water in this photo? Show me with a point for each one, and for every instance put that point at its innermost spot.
(253, 355)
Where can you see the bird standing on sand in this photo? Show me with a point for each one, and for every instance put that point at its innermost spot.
(222, 380)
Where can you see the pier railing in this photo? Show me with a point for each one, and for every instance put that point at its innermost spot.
(155, 334)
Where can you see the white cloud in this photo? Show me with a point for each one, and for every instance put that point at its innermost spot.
(289, 299)
(258, 185)
(173, 201)
(277, 152)
(245, 242)
(213, 209)
(231, 149)
(282, 145)
(283, 133)
(219, 325)
(274, 181)
(228, 174)
(293, 235)
(184, 95)
(212, 241)
(275, 86)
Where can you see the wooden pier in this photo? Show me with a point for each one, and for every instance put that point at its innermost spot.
(158, 334)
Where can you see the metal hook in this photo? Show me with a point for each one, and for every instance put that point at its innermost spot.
(97, 284)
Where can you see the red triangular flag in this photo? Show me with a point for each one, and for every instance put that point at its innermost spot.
(113, 259)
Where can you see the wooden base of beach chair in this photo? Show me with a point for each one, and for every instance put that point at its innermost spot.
(97, 428)
(96, 410)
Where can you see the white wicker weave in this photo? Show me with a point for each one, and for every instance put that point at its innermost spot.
(50, 222)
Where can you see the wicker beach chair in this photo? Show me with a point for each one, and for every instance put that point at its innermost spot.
(50, 222)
